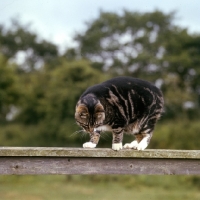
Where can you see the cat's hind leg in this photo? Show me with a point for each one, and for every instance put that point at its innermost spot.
(146, 133)
(145, 141)
(135, 143)
(143, 136)
(132, 145)
(141, 142)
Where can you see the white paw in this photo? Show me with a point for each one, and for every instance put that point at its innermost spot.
(89, 145)
(132, 145)
(117, 146)
(142, 145)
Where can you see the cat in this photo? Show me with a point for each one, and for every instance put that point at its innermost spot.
(120, 105)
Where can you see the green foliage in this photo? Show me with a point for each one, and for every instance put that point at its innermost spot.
(19, 40)
(178, 134)
(97, 187)
(52, 95)
(131, 43)
(44, 87)
(9, 88)
(16, 135)
(50, 98)
(39, 87)
(148, 46)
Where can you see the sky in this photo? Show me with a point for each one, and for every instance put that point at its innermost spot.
(58, 20)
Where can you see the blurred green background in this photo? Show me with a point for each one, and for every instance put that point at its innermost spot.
(38, 95)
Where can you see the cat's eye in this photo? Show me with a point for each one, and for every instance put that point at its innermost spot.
(83, 115)
(99, 115)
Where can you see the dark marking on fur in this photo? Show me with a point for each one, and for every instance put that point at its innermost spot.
(123, 104)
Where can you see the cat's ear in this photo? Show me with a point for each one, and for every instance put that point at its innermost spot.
(100, 112)
(99, 108)
(99, 115)
(81, 111)
(83, 115)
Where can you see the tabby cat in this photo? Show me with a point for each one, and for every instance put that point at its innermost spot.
(121, 104)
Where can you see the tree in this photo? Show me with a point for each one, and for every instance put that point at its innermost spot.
(182, 61)
(130, 43)
(50, 98)
(20, 42)
(9, 88)
(148, 46)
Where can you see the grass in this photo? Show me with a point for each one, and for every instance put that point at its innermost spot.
(103, 187)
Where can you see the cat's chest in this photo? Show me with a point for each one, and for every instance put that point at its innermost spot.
(103, 128)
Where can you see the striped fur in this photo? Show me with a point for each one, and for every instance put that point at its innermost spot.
(121, 104)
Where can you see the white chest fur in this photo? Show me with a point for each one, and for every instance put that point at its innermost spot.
(103, 128)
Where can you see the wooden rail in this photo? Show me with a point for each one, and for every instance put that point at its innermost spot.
(41, 160)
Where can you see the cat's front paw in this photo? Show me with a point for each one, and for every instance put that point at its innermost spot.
(89, 145)
(142, 145)
(132, 145)
(117, 146)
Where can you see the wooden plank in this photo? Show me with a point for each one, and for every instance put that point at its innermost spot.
(46, 160)
(64, 165)
(97, 153)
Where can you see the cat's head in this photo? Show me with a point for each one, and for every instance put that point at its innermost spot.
(89, 113)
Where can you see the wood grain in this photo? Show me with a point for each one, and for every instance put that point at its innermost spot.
(26, 160)
(97, 152)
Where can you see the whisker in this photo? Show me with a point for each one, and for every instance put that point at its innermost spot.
(83, 135)
(75, 133)
(106, 136)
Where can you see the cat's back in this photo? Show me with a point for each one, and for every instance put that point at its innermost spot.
(122, 85)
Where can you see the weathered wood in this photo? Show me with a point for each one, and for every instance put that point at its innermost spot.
(103, 152)
(26, 160)
(56, 165)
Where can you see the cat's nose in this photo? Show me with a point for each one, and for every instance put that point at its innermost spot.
(91, 130)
